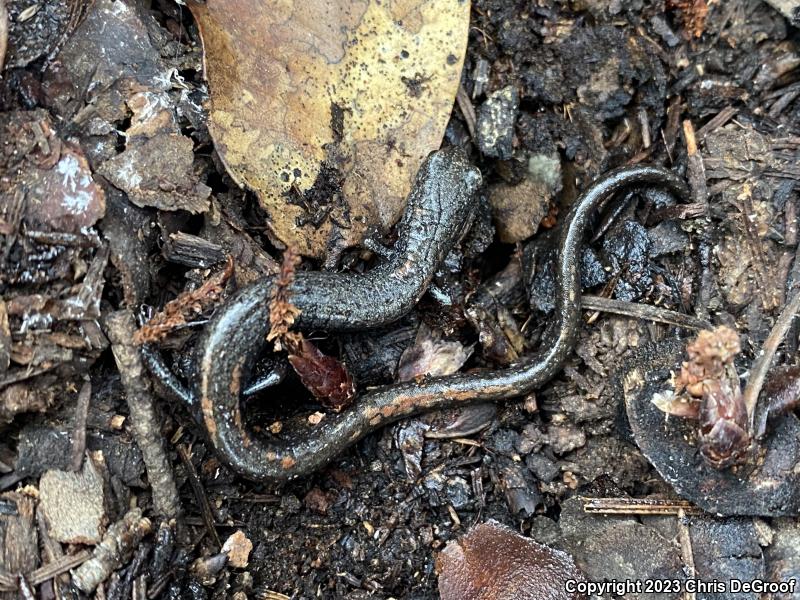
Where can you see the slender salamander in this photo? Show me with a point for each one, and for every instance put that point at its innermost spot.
(440, 203)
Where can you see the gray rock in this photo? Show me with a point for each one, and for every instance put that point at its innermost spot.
(541, 466)
(723, 550)
(495, 127)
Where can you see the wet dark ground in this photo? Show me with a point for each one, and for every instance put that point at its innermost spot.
(572, 89)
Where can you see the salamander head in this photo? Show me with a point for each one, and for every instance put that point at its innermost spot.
(445, 189)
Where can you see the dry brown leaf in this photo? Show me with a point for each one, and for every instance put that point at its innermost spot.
(159, 172)
(494, 562)
(431, 355)
(326, 109)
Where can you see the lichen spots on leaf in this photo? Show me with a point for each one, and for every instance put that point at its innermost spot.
(321, 90)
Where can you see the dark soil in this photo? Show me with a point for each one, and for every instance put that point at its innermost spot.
(598, 85)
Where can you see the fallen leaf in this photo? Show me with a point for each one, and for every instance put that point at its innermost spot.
(327, 109)
(493, 562)
(112, 49)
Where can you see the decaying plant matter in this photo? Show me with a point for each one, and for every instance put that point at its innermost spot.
(164, 154)
(707, 389)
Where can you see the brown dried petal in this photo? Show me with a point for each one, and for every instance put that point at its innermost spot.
(324, 376)
(677, 405)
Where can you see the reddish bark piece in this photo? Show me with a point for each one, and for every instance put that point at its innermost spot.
(51, 175)
(494, 562)
(66, 197)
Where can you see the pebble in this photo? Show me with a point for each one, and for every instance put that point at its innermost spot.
(495, 127)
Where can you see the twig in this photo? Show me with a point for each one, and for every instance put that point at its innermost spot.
(118, 542)
(25, 590)
(717, 121)
(687, 553)
(696, 169)
(467, 109)
(638, 506)
(120, 328)
(199, 494)
(760, 366)
(8, 582)
(79, 426)
(646, 312)
(57, 567)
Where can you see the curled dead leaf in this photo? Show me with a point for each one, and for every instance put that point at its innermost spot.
(431, 355)
(327, 109)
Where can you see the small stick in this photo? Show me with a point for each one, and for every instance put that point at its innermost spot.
(57, 567)
(8, 582)
(79, 427)
(145, 424)
(760, 367)
(638, 506)
(646, 312)
(718, 120)
(687, 553)
(200, 495)
(25, 589)
(467, 109)
(696, 169)
(117, 544)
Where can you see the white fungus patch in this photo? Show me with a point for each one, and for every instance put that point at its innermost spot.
(76, 183)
